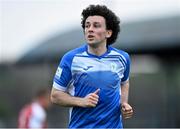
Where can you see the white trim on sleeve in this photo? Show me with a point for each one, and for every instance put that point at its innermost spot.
(124, 82)
(58, 87)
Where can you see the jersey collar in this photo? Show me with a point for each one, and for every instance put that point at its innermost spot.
(96, 56)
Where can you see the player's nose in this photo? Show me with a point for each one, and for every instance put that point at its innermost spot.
(90, 29)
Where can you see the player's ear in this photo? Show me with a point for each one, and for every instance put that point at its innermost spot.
(108, 33)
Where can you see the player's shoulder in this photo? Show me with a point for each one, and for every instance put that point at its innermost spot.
(75, 51)
(119, 52)
(70, 54)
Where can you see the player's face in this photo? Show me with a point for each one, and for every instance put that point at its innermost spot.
(95, 30)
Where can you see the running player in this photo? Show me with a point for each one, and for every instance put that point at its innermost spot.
(94, 79)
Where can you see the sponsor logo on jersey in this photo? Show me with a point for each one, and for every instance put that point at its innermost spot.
(88, 67)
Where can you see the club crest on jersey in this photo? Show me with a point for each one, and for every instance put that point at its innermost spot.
(113, 67)
(58, 72)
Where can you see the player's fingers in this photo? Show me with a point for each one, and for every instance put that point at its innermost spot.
(127, 108)
(123, 109)
(94, 95)
(127, 112)
(93, 98)
(126, 117)
(94, 102)
(91, 104)
(97, 91)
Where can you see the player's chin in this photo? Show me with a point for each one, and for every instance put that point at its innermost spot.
(92, 43)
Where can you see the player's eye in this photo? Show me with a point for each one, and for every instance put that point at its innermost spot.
(97, 25)
(87, 26)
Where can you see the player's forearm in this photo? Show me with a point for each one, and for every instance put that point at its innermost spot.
(64, 99)
(124, 92)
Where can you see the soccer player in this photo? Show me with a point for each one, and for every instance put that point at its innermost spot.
(94, 79)
(33, 115)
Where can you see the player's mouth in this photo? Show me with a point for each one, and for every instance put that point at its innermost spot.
(90, 37)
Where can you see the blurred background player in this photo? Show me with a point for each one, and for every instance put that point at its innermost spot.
(33, 115)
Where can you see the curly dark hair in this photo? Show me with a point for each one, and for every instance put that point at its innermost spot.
(112, 21)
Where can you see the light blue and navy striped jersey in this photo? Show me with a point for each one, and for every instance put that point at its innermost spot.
(80, 73)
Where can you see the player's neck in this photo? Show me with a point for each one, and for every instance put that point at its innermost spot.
(98, 50)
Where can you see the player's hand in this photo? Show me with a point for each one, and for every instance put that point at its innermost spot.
(91, 100)
(126, 110)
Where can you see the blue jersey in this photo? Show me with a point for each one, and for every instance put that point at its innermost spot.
(80, 73)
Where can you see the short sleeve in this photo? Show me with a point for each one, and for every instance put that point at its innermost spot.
(63, 74)
(127, 68)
